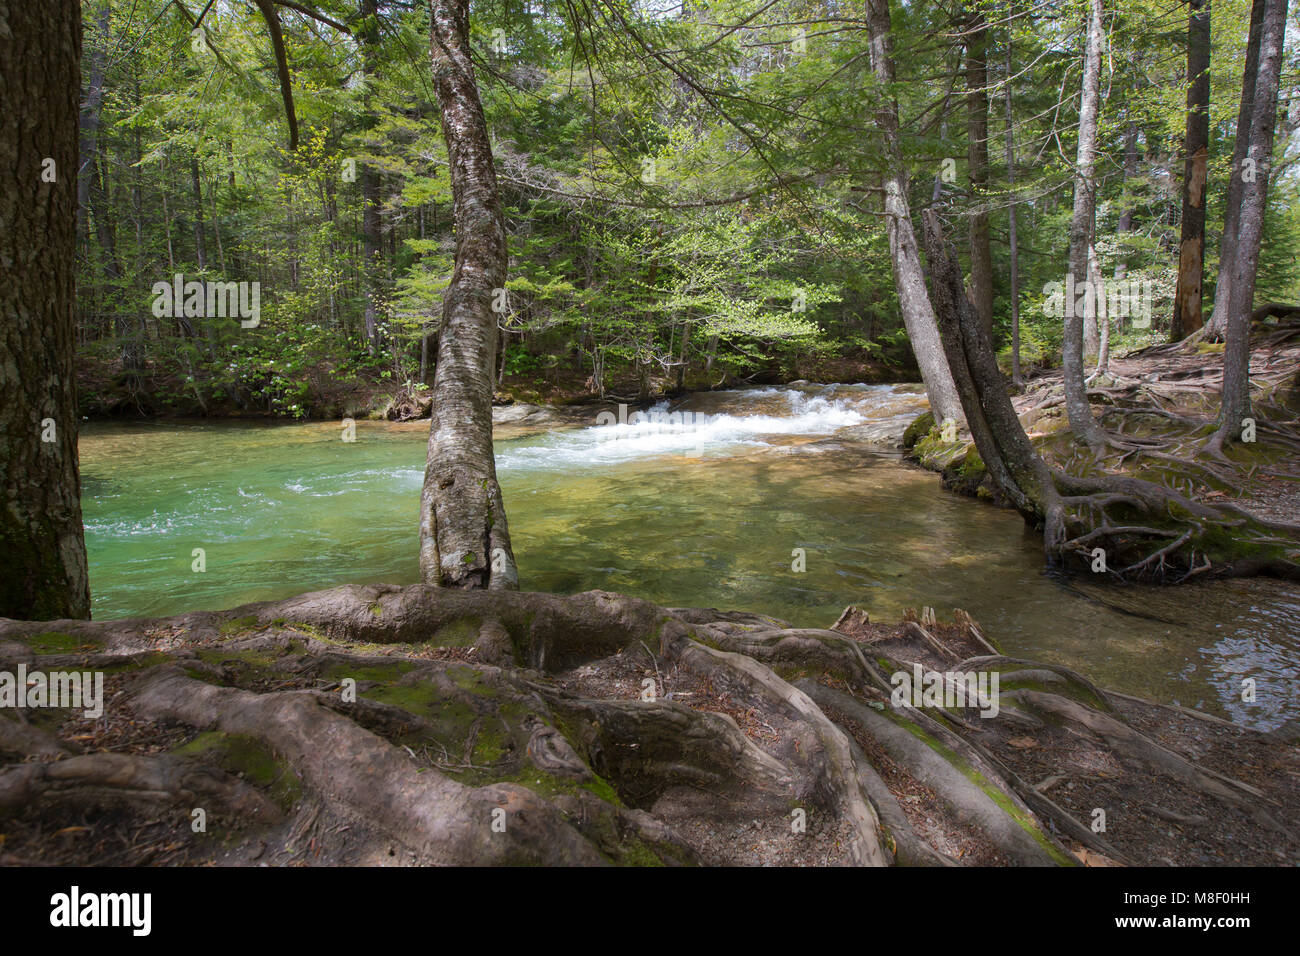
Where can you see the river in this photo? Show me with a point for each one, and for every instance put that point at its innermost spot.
(715, 511)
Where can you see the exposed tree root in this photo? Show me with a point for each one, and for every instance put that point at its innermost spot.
(1149, 501)
(358, 726)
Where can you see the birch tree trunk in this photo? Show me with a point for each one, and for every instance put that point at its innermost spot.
(909, 280)
(371, 225)
(42, 549)
(464, 542)
(1082, 424)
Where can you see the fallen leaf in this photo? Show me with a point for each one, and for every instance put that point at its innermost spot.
(1022, 743)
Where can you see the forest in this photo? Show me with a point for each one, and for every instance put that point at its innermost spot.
(584, 432)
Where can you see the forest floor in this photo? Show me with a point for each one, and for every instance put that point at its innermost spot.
(397, 726)
(1165, 394)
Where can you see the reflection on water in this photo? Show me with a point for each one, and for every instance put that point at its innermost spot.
(703, 513)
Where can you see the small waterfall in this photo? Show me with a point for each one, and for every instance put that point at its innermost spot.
(729, 423)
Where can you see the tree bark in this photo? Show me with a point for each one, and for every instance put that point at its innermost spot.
(1102, 312)
(200, 242)
(1188, 317)
(1082, 424)
(89, 116)
(1019, 474)
(1250, 222)
(464, 542)
(1013, 236)
(371, 224)
(43, 571)
(1130, 172)
(1218, 325)
(980, 291)
(909, 281)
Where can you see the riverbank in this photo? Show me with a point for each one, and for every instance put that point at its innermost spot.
(380, 725)
(1160, 404)
(337, 388)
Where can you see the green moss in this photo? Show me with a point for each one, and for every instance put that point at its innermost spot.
(382, 672)
(237, 624)
(1024, 820)
(601, 788)
(489, 747)
(462, 632)
(259, 660)
(972, 466)
(918, 430)
(246, 757)
(59, 642)
(638, 853)
(135, 663)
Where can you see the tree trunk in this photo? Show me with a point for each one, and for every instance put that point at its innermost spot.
(1130, 172)
(1075, 346)
(1250, 222)
(980, 291)
(200, 245)
(1141, 527)
(106, 236)
(1188, 317)
(464, 542)
(1102, 312)
(909, 281)
(371, 224)
(42, 548)
(1218, 326)
(1019, 474)
(1013, 237)
(89, 115)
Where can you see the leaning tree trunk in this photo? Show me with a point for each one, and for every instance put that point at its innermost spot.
(464, 542)
(1196, 146)
(1218, 325)
(1250, 220)
(909, 281)
(42, 548)
(1073, 350)
(1144, 530)
(980, 290)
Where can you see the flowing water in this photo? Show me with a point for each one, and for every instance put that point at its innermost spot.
(709, 511)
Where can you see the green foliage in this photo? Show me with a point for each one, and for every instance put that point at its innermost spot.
(685, 202)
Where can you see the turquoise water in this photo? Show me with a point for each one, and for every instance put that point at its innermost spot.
(709, 513)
